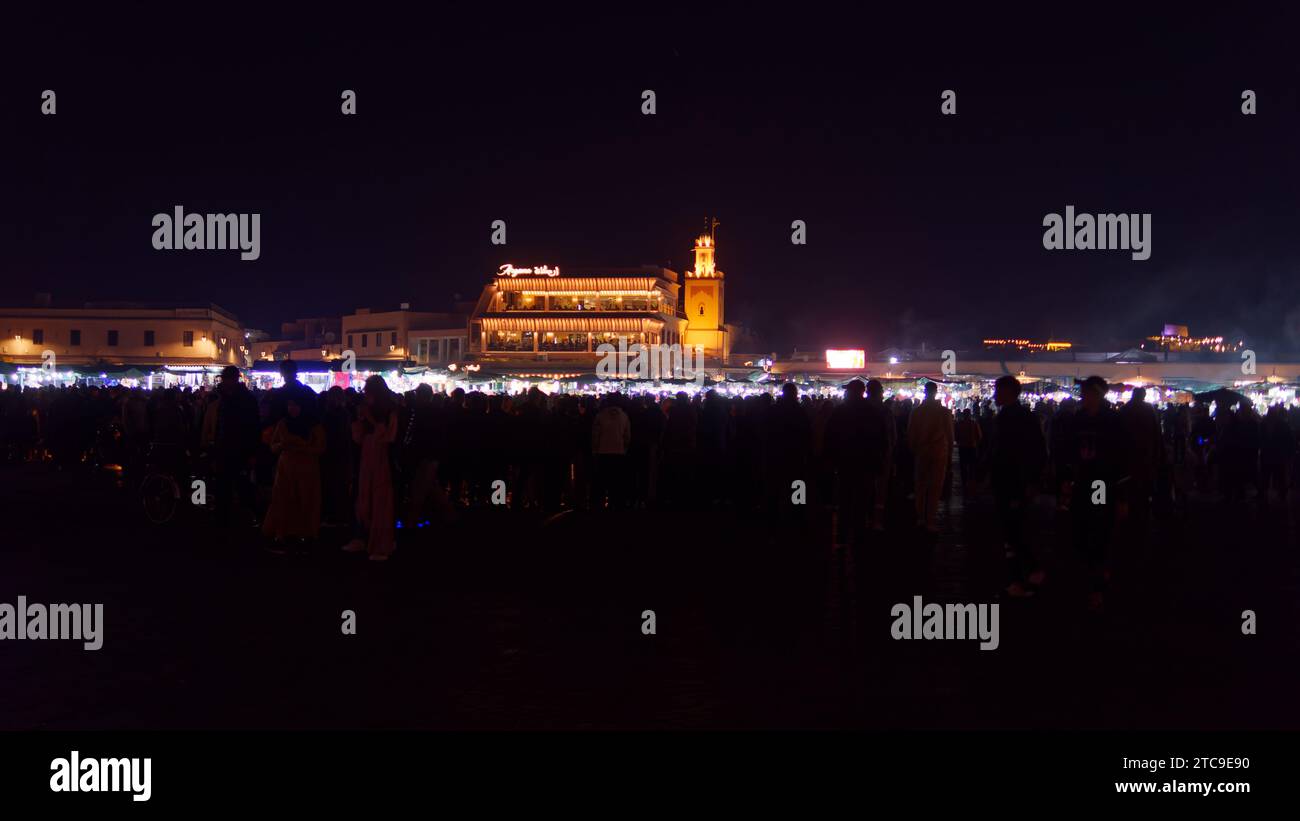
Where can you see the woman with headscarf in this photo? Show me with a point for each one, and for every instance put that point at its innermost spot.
(298, 440)
(374, 430)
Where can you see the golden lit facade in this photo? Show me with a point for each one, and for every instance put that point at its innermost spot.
(1184, 342)
(704, 301)
(544, 314)
(123, 334)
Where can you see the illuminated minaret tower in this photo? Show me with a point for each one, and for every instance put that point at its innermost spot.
(704, 299)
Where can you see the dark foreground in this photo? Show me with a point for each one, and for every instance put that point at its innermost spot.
(508, 620)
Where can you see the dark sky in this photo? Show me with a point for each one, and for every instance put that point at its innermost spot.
(920, 226)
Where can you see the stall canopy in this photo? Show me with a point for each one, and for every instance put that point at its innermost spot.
(112, 371)
(306, 366)
(1223, 397)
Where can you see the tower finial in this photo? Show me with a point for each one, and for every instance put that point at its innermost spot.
(704, 250)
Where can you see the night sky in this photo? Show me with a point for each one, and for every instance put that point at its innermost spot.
(920, 227)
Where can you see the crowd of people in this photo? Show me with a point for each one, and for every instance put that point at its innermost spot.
(293, 461)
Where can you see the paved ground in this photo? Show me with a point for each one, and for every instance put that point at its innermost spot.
(509, 621)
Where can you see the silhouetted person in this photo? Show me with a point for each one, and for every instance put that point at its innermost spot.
(712, 440)
(1096, 466)
(235, 438)
(1244, 459)
(879, 479)
(170, 423)
(1277, 450)
(424, 445)
(529, 448)
(823, 465)
(136, 433)
(857, 443)
(787, 445)
(679, 450)
(293, 390)
(338, 460)
(1145, 453)
(1016, 461)
(647, 434)
(968, 435)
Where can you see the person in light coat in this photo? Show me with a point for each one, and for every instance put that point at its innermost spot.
(611, 435)
(930, 436)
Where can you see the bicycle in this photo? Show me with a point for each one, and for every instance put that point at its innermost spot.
(160, 490)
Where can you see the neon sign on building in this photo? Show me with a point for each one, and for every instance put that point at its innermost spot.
(540, 271)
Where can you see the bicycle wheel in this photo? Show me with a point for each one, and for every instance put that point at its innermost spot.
(160, 497)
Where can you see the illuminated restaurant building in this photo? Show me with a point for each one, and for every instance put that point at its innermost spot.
(562, 317)
(533, 315)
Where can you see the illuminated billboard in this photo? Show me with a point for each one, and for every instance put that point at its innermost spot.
(847, 359)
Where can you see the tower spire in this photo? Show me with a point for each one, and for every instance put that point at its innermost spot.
(704, 249)
(702, 297)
